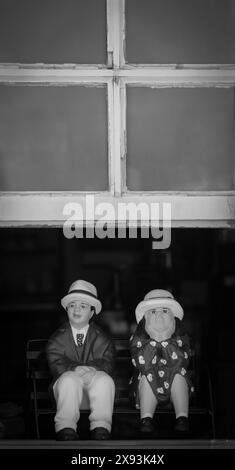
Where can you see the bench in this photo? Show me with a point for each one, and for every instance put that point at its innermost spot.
(125, 414)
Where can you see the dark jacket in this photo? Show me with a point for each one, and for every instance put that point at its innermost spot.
(63, 354)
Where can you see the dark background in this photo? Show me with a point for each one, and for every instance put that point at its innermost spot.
(37, 267)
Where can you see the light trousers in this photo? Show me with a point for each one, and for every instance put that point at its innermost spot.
(179, 397)
(72, 394)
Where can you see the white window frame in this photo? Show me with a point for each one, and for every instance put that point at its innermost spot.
(189, 208)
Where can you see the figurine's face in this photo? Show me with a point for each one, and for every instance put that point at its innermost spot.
(160, 320)
(79, 313)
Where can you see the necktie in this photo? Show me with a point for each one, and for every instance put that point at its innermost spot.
(79, 338)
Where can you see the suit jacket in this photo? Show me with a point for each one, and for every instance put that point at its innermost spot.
(63, 354)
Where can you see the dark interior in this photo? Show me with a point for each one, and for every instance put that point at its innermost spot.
(38, 265)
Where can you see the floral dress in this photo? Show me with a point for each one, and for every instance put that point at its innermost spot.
(159, 362)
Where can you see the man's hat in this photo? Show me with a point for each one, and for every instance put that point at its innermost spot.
(83, 291)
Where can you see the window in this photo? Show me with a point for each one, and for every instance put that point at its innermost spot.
(51, 138)
(122, 98)
(181, 31)
(53, 31)
(187, 143)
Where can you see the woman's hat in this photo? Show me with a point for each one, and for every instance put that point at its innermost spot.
(84, 291)
(158, 298)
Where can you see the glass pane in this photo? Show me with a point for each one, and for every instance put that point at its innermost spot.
(180, 139)
(52, 138)
(182, 31)
(53, 31)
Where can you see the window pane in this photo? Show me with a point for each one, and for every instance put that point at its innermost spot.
(53, 138)
(182, 31)
(53, 31)
(180, 139)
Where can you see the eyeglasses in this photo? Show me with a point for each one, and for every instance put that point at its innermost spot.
(164, 310)
(80, 305)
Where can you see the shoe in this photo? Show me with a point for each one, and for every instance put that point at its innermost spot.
(182, 424)
(67, 434)
(146, 425)
(100, 434)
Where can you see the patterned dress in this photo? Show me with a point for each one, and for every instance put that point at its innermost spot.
(159, 362)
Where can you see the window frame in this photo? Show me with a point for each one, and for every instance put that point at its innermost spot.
(189, 208)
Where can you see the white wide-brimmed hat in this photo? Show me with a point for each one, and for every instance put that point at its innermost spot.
(84, 291)
(158, 298)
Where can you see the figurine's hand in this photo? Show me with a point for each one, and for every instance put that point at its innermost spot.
(160, 327)
(84, 369)
(86, 373)
(158, 336)
(149, 330)
(154, 334)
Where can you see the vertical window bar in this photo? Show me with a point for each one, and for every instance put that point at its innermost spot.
(117, 137)
(115, 32)
(123, 137)
(115, 53)
(111, 138)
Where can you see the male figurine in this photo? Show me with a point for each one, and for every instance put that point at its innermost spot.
(80, 357)
(160, 352)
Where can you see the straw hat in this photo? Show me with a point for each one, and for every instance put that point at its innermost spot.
(158, 298)
(84, 291)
